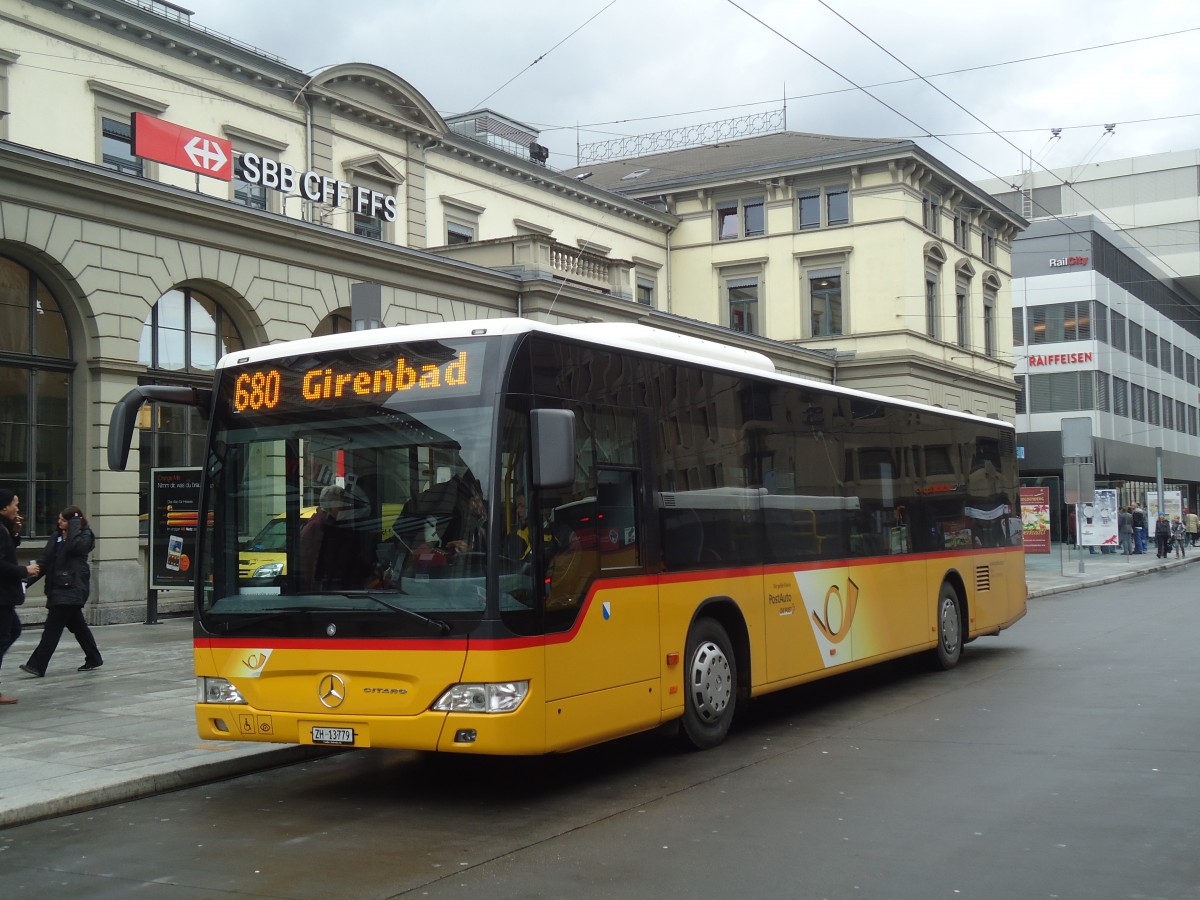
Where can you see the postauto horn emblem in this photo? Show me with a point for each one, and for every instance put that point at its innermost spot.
(332, 691)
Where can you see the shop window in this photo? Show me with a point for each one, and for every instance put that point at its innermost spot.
(35, 397)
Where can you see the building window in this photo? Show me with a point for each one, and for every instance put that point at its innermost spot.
(1118, 331)
(1168, 413)
(1120, 397)
(1137, 404)
(962, 229)
(1190, 369)
(645, 291)
(931, 305)
(1021, 405)
(989, 323)
(1192, 421)
(742, 294)
(1136, 342)
(740, 218)
(1059, 322)
(1152, 408)
(1165, 349)
(35, 398)
(184, 336)
(368, 226)
(1100, 321)
(1062, 392)
(1178, 362)
(931, 211)
(458, 233)
(1103, 403)
(987, 248)
(825, 301)
(961, 312)
(1183, 411)
(827, 206)
(245, 193)
(809, 206)
(116, 140)
(837, 205)
(1151, 349)
(1018, 326)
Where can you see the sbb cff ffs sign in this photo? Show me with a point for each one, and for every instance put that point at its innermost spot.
(183, 148)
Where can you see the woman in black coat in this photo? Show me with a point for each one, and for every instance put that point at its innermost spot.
(12, 575)
(64, 565)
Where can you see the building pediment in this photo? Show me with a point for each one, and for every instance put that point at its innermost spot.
(373, 166)
(373, 93)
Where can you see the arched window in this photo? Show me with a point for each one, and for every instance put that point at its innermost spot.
(186, 333)
(35, 397)
(334, 323)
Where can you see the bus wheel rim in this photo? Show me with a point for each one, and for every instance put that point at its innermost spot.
(949, 625)
(712, 681)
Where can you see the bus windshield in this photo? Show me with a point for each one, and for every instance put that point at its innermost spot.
(364, 507)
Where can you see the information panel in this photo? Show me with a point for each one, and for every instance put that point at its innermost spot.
(174, 527)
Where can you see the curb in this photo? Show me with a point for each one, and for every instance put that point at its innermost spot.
(158, 783)
(1111, 579)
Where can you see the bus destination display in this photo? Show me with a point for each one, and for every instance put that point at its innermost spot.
(269, 387)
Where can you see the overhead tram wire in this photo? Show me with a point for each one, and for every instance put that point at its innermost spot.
(1108, 131)
(963, 71)
(543, 56)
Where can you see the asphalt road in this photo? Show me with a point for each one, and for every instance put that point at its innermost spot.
(1059, 760)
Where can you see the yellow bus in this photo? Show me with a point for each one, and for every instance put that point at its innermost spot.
(543, 537)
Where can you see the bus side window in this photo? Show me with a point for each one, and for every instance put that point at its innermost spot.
(616, 519)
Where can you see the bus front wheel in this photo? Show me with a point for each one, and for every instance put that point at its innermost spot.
(711, 685)
(950, 627)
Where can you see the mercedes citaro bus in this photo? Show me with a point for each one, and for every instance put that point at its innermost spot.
(551, 536)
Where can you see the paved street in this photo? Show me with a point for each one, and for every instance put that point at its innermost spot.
(1058, 760)
(80, 740)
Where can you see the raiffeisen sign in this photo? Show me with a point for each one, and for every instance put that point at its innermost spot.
(318, 188)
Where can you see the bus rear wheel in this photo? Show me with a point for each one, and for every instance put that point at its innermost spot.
(950, 627)
(710, 692)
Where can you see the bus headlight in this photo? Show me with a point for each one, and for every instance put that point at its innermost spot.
(501, 697)
(217, 690)
(268, 570)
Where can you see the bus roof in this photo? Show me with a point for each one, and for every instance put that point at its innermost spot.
(622, 335)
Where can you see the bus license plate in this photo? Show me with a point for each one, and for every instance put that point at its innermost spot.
(333, 736)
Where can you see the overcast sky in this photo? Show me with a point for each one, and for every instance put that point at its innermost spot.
(608, 68)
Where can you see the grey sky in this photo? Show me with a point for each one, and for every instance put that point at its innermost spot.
(652, 65)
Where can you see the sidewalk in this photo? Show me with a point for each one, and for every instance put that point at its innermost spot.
(78, 740)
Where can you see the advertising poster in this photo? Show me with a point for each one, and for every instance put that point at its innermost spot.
(1035, 519)
(174, 527)
(1172, 506)
(1096, 522)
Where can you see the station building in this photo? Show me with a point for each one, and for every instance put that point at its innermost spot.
(312, 203)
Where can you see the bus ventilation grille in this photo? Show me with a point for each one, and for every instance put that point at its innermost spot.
(983, 578)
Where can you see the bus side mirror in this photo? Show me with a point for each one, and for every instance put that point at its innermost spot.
(553, 432)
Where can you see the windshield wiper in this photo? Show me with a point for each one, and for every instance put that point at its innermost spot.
(437, 625)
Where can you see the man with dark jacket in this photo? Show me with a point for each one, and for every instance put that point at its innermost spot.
(12, 575)
(64, 563)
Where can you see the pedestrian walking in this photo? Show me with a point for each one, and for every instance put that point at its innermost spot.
(1162, 535)
(64, 564)
(1191, 522)
(12, 575)
(1178, 536)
